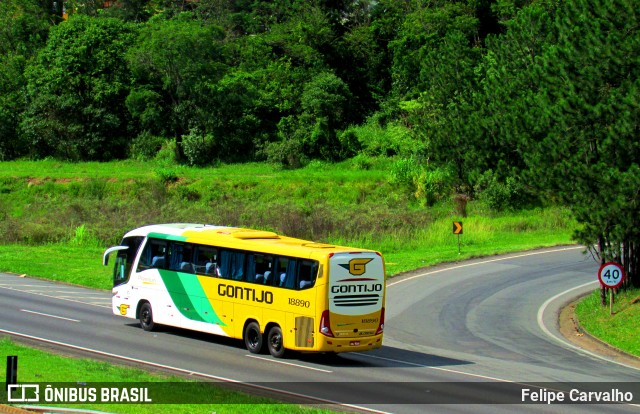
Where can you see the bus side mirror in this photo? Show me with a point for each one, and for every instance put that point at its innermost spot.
(105, 256)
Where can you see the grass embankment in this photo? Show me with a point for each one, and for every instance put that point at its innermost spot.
(36, 366)
(60, 216)
(621, 330)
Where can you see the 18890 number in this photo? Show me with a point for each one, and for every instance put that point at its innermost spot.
(299, 302)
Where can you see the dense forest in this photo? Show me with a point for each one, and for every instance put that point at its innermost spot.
(518, 101)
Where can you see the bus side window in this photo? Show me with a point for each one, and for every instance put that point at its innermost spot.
(232, 264)
(186, 264)
(285, 272)
(307, 272)
(260, 266)
(153, 255)
(206, 260)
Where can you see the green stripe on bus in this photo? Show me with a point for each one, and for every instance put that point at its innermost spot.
(168, 237)
(195, 305)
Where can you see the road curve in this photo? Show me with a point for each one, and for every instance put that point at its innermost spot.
(457, 326)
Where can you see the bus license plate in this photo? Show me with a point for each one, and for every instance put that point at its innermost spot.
(354, 343)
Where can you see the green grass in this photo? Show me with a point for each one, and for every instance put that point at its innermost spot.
(404, 250)
(78, 265)
(36, 366)
(621, 330)
(67, 213)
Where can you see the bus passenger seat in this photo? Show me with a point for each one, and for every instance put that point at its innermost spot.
(267, 277)
(304, 283)
(157, 261)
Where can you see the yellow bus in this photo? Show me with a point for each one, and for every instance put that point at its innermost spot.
(253, 285)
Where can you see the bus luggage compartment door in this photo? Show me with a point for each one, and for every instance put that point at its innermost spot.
(304, 332)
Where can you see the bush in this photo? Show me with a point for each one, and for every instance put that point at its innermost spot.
(426, 184)
(167, 176)
(361, 162)
(146, 146)
(288, 153)
(198, 148)
(167, 153)
(403, 172)
(432, 185)
(385, 140)
(500, 195)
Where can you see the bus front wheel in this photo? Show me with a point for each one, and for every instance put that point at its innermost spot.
(253, 337)
(146, 317)
(275, 342)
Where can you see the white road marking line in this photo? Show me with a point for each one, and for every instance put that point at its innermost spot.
(48, 315)
(288, 363)
(465, 373)
(453, 371)
(568, 344)
(540, 311)
(483, 262)
(55, 297)
(195, 373)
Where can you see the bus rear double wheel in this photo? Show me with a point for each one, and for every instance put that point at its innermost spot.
(253, 339)
(275, 342)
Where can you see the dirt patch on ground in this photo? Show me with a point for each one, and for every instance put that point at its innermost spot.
(570, 328)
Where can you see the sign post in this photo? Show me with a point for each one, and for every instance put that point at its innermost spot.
(611, 275)
(12, 371)
(457, 229)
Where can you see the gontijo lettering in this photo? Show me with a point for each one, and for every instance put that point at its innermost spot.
(246, 293)
(360, 288)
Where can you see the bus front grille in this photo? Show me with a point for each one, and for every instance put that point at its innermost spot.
(356, 300)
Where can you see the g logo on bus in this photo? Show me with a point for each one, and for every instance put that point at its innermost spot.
(123, 309)
(357, 267)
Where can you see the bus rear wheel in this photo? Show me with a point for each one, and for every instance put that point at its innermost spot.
(146, 317)
(275, 342)
(253, 337)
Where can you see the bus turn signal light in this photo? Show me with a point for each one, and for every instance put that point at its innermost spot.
(381, 326)
(325, 325)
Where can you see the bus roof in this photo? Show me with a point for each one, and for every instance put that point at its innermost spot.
(240, 238)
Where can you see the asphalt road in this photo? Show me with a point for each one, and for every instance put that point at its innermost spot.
(474, 334)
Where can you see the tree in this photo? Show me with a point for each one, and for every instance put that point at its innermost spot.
(24, 27)
(129, 10)
(76, 90)
(314, 132)
(325, 105)
(173, 61)
(585, 150)
(234, 116)
(434, 61)
(508, 85)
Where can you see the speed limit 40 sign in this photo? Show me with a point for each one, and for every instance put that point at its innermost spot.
(611, 275)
